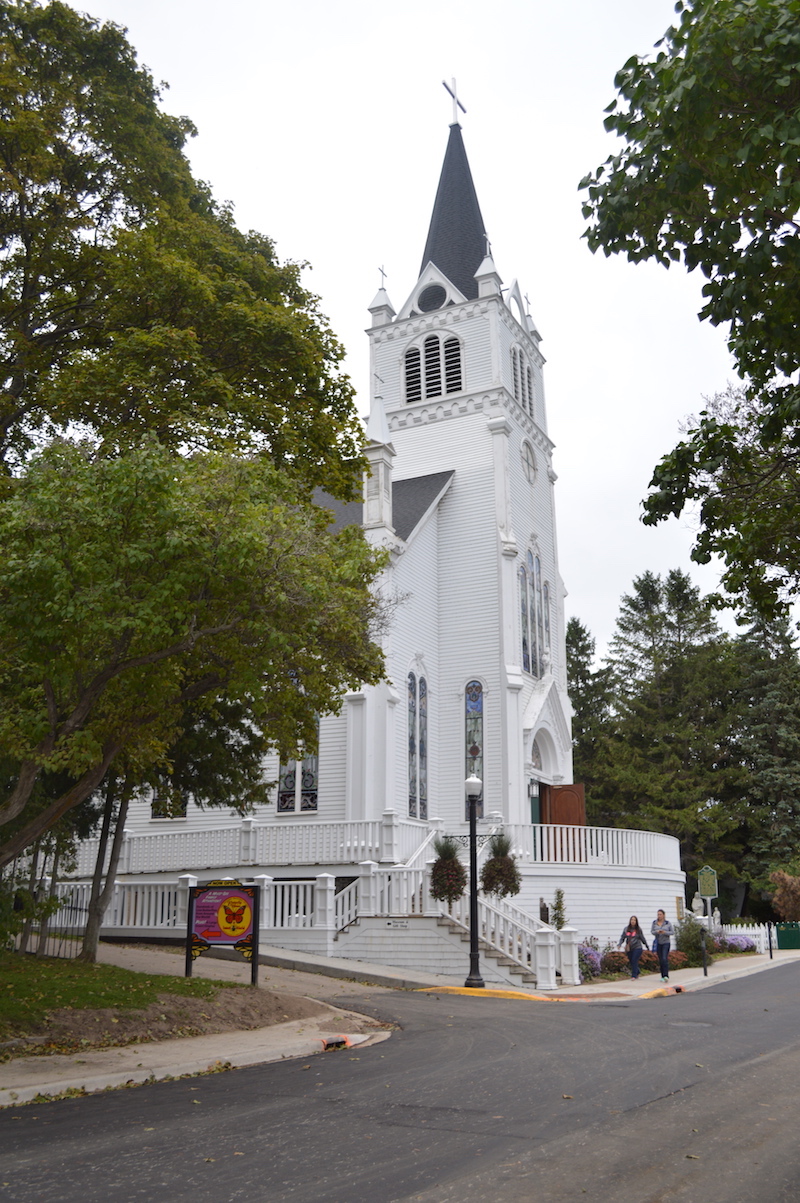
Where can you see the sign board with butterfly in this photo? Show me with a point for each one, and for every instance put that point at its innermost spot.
(223, 913)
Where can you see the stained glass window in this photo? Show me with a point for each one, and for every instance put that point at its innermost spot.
(536, 755)
(534, 605)
(523, 606)
(422, 745)
(473, 715)
(412, 745)
(537, 570)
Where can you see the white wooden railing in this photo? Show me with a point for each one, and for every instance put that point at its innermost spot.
(535, 843)
(390, 839)
(346, 906)
(312, 909)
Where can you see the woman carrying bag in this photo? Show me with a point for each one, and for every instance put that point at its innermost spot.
(662, 930)
(635, 943)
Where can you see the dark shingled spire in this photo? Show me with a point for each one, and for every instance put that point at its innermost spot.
(456, 238)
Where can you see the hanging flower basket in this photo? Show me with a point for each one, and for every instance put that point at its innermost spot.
(500, 874)
(448, 875)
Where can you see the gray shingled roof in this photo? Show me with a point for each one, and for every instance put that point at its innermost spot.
(457, 236)
(411, 500)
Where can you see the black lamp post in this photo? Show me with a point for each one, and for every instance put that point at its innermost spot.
(473, 786)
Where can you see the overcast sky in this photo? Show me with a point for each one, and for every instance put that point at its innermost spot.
(324, 122)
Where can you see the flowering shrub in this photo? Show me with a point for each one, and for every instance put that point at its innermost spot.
(737, 944)
(614, 962)
(588, 961)
(677, 960)
(648, 962)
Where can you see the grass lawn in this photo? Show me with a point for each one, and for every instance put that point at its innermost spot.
(32, 988)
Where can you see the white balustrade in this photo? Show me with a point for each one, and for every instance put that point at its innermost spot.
(390, 839)
(312, 843)
(544, 843)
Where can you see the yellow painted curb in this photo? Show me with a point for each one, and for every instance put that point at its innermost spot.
(484, 993)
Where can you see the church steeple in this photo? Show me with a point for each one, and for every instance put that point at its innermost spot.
(457, 237)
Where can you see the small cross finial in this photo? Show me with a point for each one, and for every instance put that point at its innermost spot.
(488, 247)
(527, 305)
(456, 102)
(383, 277)
(378, 381)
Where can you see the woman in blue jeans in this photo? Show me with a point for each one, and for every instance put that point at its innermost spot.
(635, 943)
(662, 930)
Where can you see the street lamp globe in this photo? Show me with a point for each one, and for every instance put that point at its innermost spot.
(473, 786)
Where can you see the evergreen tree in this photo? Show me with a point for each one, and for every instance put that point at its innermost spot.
(590, 694)
(769, 742)
(669, 762)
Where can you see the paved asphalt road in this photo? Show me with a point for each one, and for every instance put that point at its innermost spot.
(689, 1097)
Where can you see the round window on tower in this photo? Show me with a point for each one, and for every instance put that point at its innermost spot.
(432, 297)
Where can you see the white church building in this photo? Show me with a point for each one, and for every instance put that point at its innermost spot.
(462, 491)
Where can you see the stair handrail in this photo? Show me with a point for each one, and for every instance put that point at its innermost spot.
(414, 861)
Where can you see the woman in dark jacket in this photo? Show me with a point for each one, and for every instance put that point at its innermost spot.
(635, 943)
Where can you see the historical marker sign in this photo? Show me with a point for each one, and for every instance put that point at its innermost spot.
(223, 913)
(707, 886)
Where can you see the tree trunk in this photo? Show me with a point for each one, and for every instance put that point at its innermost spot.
(28, 924)
(100, 898)
(44, 922)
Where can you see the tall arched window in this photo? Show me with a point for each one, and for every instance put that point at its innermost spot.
(473, 731)
(417, 747)
(435, 370)
(534, 605)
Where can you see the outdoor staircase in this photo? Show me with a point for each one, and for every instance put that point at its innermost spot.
(513, 968)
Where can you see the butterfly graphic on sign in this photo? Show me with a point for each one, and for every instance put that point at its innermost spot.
(234, 916)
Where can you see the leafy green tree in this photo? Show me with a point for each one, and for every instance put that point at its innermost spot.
(129, 301)
(746, 487)
(131, 587)
(710, 174)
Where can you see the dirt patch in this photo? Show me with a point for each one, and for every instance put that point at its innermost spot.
(230, 1010)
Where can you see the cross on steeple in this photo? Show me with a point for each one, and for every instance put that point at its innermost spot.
(456, 102)
(383, 277)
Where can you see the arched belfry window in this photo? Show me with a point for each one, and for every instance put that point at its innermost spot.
(473, 732)
(434, 370)
(521, 380)
(534, 605)
(417, 747)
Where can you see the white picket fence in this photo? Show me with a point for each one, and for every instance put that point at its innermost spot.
(758, 933)
(313, 913)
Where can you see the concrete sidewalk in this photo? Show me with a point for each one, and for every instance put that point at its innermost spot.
(23, 1079)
